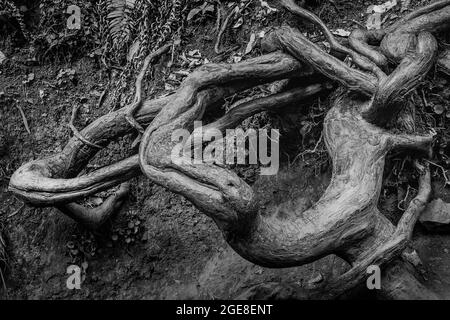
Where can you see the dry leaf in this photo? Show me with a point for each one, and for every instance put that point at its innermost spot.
(375, 12)
(193, 13)
(134, 49)
(250, 44)
(382, 8)
(341, 32)
(238, 23)
(265, 5)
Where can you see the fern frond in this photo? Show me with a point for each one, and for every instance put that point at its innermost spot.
(121, 23)
(9, 8)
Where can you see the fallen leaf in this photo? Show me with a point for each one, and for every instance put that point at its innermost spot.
(208, 8)
(317, 279)
(382, 8)
(97, 201)
(193, 13)
(169, 87)
(134, 49)
(250, 44)
(238, 23)
(341, 32)
(30, 78)
(237, 59)
(194, 53)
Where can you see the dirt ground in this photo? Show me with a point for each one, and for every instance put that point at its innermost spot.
(159, 246)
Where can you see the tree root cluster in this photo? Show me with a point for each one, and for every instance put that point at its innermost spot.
(387, 66)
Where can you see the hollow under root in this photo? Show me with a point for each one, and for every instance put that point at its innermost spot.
(94, 218)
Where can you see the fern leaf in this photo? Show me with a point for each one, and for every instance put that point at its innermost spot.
(121, 23)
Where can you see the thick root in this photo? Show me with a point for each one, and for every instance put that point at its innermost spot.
(94, 218)
(345, 221)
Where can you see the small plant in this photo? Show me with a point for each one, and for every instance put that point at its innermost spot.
(121, 21)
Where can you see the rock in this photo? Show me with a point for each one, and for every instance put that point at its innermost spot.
(436, 216)
(413, 258)
(2, 57)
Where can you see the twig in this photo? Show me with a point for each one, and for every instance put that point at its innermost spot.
(75, 131)
(222, 30)
(302, 154)
(424, 99)
(404, 199)
(132, 108)
(219, 15)
(102, 98)
(444, 172)
(24, 119)
(17, 211)
(358, 23)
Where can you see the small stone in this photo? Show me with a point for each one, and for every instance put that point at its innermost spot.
(97, 201)
(436, 216)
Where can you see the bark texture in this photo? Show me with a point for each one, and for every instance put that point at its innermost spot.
(345, 221)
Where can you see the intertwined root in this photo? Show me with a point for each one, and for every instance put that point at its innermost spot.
(345, 221)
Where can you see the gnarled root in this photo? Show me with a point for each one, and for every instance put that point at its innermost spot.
(54, 181)
(387, 102)
(94, 218)
(345, 221)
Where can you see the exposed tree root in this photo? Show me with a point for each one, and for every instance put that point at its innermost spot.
(137, 103)
(77, 133)
(408, 75)
(345, 221)
(223, 28)
(362, 61)
(363, 41)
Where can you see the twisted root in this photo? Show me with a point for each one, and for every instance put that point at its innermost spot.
(345, 221)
